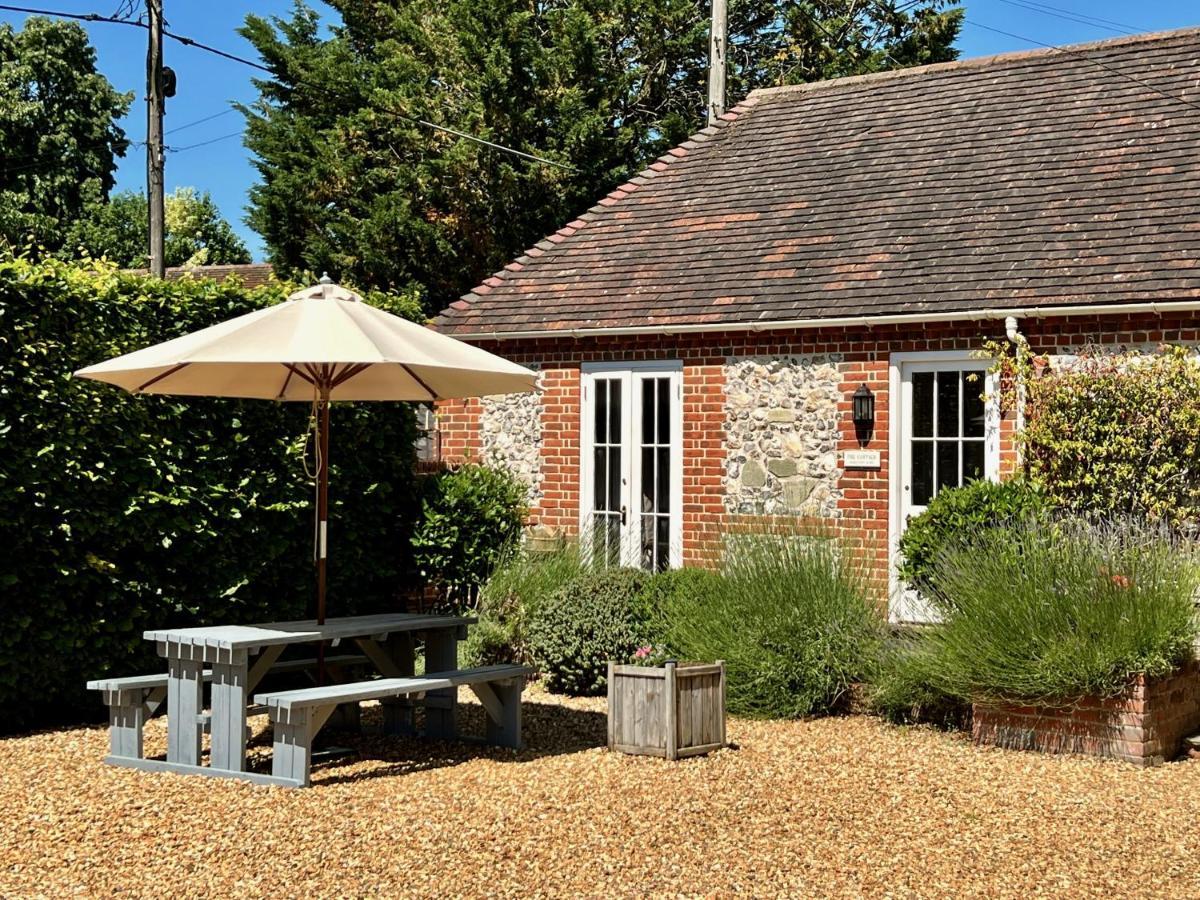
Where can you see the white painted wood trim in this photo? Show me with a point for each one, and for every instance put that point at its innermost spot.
(897, 430)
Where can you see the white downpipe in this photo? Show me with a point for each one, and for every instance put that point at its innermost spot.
(1019, 341)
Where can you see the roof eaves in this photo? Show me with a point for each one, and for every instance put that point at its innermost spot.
(619, 193)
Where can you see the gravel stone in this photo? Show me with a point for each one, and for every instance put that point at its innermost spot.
(844, 807)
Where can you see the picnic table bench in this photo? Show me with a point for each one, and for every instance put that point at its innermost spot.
(297, 716)
(233, 659)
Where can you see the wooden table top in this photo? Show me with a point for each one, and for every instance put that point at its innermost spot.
(245, 637)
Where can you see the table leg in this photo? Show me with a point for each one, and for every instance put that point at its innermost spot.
(441, 707)
(230, 677)
(185, 694)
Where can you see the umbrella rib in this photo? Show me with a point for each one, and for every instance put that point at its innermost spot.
(415, 377)
(157, 378)
(286, 381)
(349, 372)
(295, 371)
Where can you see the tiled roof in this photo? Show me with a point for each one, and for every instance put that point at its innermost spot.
(252, 275)
(1029, 180)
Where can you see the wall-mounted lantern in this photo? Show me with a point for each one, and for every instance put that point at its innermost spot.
(864, 414)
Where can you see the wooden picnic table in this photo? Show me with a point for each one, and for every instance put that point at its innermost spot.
(239, 656)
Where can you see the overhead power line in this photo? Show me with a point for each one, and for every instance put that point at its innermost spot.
(1068, 16)
(233, 57)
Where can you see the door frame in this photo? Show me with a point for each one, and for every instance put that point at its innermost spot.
(897, 364)
(588, 372)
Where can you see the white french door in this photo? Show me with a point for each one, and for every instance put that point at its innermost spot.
(631, 464)
(948, 435)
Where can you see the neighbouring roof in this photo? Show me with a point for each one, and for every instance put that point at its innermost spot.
(1024, 181)
(252, 274)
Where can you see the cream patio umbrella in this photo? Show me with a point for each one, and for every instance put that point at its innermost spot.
(323, 343)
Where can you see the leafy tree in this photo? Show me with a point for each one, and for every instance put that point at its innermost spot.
(352, 183)
(59, 140)
(196, 234)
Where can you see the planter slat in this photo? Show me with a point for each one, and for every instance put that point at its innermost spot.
(670, 711)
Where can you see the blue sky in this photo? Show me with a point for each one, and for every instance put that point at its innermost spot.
(208, 84)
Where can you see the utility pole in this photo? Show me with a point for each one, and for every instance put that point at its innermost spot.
(154, 136)
(718, 38)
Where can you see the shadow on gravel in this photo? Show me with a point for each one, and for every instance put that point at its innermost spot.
(549, 730)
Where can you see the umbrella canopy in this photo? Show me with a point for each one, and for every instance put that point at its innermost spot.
(323, 343)
(323, 340)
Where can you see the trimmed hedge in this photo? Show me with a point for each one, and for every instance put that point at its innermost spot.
(119, 513)
(956, 515)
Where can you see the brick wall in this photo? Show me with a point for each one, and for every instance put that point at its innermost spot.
(863, 511)
(1144, 725)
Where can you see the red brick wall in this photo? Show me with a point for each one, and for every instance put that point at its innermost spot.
(866, 354)
(1144, 725)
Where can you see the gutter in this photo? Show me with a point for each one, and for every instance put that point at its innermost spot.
(842, 322)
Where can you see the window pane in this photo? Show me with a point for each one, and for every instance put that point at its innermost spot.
(647, 557)
(614, 478)
(614, 540)
(663, 544)
(947, 404)
(922, 404)
(647, 479)
(599, 478)
(922, 472)
(648, 408)
(601, 426)
(614, 412)
(663, 499)
(947, 464)
(972, 460)
(972, 394)
(664, 410)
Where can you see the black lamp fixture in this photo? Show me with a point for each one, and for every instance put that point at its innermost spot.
(864, 414)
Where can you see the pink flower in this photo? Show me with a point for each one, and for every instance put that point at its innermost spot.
(1122, 581)
(642, 652)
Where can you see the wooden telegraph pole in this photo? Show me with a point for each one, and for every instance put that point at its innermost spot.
(718, 38)
(154, 136)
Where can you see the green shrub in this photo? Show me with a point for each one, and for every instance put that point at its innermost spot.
(517, 587)
(576, 630)
(790, 619)
(673, 589)
(956, 514)
(1049, 613)
(904, 692)
(471, 516)
(1119, 435)
(122, 513)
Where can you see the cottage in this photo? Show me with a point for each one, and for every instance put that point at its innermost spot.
(703, 331)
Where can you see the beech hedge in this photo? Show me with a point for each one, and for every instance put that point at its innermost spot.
(120, 513)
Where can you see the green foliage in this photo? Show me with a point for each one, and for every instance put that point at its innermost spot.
(59, 140)
(673, 590)
(352, 184)
(791, 621)
(956, 514)
(589, 620)
(195, 232)
(1037, 613)
(516, 587)
(471, 517)
(122, 513)
(1119, 434)
(903, 691)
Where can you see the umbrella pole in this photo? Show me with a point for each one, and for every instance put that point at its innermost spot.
(322, 518)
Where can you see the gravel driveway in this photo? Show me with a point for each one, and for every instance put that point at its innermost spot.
(834, 807)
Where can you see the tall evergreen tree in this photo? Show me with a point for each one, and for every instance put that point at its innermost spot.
(352, 183)
(59, 140)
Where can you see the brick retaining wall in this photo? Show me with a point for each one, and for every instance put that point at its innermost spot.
(1144, 725)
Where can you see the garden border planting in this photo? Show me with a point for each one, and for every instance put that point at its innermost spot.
(1145, 724)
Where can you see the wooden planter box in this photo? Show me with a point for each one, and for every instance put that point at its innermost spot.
(673, 710)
